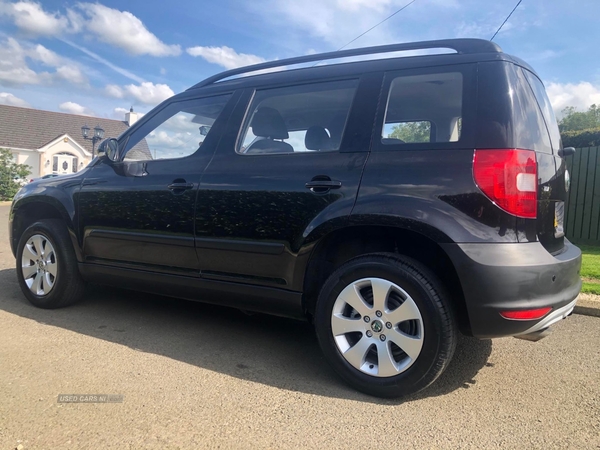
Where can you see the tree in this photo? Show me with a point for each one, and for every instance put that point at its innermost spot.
(574, 120)
(10, 174)
(412, 131)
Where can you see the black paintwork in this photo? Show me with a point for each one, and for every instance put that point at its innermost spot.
(242, 229)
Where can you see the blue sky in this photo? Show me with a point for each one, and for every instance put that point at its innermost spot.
(101, 58)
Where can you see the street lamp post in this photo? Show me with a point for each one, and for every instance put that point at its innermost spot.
(98, 134)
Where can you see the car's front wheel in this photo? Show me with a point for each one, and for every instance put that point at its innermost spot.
(47, 267)
(385, 324)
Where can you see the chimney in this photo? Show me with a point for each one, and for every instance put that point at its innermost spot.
(131, 117)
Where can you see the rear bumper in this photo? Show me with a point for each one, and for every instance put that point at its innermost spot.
(509, 277)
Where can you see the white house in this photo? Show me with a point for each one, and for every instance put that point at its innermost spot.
(52, 142)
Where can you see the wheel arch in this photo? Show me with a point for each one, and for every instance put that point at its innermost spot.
(341, 245)
(32, 209)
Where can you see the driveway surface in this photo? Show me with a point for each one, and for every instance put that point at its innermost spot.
(197, 376)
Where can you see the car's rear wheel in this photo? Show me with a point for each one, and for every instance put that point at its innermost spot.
(385, 324)
(47, 267)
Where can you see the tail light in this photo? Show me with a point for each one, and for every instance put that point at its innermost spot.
(526, 314)
(509, 178)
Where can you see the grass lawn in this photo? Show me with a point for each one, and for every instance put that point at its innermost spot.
(590, 269)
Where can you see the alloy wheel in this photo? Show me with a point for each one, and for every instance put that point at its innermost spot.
(39, 266)
(377, 327)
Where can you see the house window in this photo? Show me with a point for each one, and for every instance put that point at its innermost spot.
(74, 165)
(55, 164)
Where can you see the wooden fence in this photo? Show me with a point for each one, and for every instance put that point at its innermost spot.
(582, 221)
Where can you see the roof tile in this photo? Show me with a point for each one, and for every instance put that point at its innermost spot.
(33, 128)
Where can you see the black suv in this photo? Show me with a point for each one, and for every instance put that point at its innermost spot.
(394, 202)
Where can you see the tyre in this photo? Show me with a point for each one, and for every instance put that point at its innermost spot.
(47, 267)
(385, 324)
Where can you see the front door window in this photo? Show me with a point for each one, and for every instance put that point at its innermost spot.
(176, 132)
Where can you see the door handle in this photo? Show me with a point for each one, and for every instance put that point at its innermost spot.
(180, 186)
(323, 185)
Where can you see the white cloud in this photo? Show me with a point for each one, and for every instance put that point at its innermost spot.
(119, 28)
(71, 74)
(119, 113)
(161, 138)
(147, 93)
(31, 18)
(15, 70)
(114, 91)
(6, 98)
(123, 29)
(225, 56)
(75, 108)
(580, 95)
(46, 56)
(76, 21)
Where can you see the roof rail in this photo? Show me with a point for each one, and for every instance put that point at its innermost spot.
(462, 46)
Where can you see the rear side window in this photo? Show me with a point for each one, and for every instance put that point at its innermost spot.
(424, 108)
(295, 119)
(508, 115)
(542, 98)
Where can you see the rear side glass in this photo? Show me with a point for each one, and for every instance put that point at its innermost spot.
(297, 119)
(508, 115)
(424, 108)
(542, 98)
(530, 127)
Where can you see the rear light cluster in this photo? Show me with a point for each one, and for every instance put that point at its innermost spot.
(509, 178)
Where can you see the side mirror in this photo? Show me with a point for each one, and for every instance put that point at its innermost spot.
(204, 129)
(110, 148)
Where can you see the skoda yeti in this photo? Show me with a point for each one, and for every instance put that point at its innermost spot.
(394, 202)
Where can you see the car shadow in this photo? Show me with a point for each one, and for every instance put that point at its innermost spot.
(269, 350)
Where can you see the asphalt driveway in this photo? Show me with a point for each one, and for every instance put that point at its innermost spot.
(195, 376)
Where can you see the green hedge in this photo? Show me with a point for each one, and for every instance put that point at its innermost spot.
(581, 138)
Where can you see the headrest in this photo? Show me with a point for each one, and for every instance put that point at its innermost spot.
(317, 138)
(267, 122)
